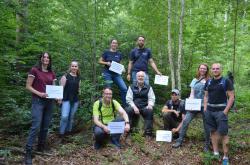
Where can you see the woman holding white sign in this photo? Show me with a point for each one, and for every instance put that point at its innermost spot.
(42, 108)
(197, 92)
(110, 77)
(71, 84)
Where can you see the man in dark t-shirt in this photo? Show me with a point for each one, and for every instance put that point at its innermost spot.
(174, 113)
(218, 99)
(139, 59)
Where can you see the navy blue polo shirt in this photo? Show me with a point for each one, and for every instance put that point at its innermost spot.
(109, 56)
(140, 58)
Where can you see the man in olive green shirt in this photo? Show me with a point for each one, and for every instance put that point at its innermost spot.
(103, 114)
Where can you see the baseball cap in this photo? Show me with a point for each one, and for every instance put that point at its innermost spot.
(176, 91)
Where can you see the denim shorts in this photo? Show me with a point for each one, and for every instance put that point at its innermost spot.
(217, 121)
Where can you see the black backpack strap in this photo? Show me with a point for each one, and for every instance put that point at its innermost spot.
(113, 109)
(99, 109)
(199, 80)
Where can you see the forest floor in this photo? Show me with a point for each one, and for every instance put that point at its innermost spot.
(136, 150)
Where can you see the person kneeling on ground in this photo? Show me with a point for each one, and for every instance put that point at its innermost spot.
(104, 111)
(141, 99)
(174, 113)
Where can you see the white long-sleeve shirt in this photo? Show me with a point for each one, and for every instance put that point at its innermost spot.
(151, 97)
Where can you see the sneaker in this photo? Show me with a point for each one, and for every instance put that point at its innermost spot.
(97, 146)
(176, 145)
(206, 148)
(116, 143)
(225, 162)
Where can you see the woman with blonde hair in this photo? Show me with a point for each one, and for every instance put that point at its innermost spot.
(71, 84)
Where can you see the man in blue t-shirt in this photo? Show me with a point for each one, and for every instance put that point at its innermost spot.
(139, 59)
(218, 99)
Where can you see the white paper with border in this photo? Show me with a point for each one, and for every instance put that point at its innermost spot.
(116, 127)
(193, 104)
(163, 136)
(116, 67)
(54, 91)
(161, 80)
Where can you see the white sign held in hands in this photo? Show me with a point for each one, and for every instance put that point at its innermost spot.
(161, 80)
(54, 92)
(193, 104)
(116, 127)
(116, 67)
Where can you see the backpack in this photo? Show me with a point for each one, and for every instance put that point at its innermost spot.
(100, 107)
(222, 82)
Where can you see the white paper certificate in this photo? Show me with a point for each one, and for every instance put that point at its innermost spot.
(193, 104)
(54, 92)
(116, 127)
(161, 80)
(116, 67)
(164, 136)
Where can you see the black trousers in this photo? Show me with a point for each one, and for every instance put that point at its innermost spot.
(147, 115)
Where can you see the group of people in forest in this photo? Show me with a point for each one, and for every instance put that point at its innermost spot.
(137, 99)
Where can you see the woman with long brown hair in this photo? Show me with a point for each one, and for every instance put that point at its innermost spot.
(197, 92)
(42, 108)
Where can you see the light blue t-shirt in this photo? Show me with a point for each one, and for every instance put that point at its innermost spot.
(198, 88)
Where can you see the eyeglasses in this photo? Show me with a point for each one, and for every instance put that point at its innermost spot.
(215, 68)
(107, 93)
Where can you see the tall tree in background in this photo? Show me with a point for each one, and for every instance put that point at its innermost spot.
(21, 21)
(170, 53)
(179, 61)
(235, 32)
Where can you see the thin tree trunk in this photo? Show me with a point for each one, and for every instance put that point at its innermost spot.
(178, 71)
(170, 54)
(235, 32)
(94, 49)
(21, 22)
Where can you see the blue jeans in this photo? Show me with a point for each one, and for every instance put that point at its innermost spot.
(146, 80)
(187, 120)
(111, 77)
(67, 116)
(101, 136)
(41, 111)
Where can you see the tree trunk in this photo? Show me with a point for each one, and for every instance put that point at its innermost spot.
(179, 61)
(170, 54)
(235, 32)
(94, 47)
(21, 22)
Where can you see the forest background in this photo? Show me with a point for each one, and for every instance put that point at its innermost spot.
(182, 34)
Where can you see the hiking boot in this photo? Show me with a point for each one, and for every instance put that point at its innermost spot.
(28, 157)
(116, 143)
(176, 145)
(97, 146)
(60, 139)
(225, 162)
(42, 148)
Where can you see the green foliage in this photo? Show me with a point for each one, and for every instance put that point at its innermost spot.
(138, 138)
(209, 158)
(67, 149)
(81, 30)
(4, 153)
